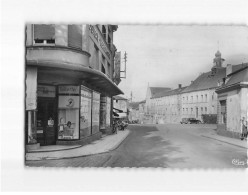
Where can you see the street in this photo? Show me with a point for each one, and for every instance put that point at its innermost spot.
(168, 146)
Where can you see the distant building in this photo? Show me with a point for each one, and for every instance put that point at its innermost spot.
(198, 100)
(142, 111)
(200, 97)
(150, 103)
(120, 106)
(233, 101)
(168, 106)
(133, 111)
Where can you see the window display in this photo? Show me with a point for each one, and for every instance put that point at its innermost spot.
(85, 112)
(95, 112)
(68, 112)
(108, 112)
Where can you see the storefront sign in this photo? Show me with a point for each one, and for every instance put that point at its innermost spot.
(31, 87)
(68, 102)
(69, 89)
(99, 40)
(46, 91)
(117, 65)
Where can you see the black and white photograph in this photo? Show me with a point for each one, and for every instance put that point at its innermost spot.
(107, 99)
(173, 97)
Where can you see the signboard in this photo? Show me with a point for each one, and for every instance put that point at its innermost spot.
(46, 91)
(69, 89)
(68, 102)
(31, 87)
(99, 41)
(117, 64)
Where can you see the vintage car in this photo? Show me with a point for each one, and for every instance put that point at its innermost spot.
(190, 121)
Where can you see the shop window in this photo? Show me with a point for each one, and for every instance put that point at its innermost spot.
(95, 112)
(85, 112)
(68, 112)
(75, 36)
(44, 34)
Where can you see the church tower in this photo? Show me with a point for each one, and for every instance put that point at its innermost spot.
(217, 62)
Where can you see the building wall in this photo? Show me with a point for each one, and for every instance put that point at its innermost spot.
(236, 109)
(205, 101)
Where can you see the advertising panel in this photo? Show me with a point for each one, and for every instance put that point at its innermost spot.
(95, 112)
(85, 112)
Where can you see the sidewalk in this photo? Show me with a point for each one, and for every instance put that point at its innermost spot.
(105, 144)
(228, 140)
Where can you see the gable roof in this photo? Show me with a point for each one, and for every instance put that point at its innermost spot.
(239, 76)
(169, 93)
(155, 90)
(206, 81)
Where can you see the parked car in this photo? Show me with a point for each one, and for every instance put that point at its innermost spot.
(185, 121)
(190, 121)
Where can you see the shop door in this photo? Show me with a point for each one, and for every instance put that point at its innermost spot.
(46, 121)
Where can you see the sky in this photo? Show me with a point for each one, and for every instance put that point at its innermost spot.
(168, 55)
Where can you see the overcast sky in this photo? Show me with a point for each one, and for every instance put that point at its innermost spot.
(166, 56)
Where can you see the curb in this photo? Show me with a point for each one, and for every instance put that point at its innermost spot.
(91, 154)
(224, 141)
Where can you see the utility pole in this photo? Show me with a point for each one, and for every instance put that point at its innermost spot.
(131, 96)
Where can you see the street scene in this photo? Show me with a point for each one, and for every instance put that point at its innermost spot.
(172, 96)
(168, 146)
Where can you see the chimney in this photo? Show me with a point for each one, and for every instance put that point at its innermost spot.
(228, 69)
(179, 86)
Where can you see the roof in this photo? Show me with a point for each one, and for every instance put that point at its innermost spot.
(144, 101)
(169, 93)
(155, 90)
(239, 76)
(206, 81)
(117, 97)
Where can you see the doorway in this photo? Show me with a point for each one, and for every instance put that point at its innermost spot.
(46, 121)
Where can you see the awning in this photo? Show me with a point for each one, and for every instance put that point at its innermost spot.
(115, 114)
(90, 76)
(118, 110)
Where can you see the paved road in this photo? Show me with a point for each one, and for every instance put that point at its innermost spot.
(170, 146)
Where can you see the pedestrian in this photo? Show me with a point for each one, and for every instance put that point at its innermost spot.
(244, 129)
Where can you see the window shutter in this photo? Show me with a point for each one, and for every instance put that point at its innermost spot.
(44, 32)
(75, 36)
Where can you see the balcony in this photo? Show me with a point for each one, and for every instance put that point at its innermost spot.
(55, 55)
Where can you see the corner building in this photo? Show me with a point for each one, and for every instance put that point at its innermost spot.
(69, 83)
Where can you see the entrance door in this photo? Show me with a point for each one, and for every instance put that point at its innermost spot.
(46, 121)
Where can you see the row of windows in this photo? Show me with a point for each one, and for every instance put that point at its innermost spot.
(197, 98)
(191, 110)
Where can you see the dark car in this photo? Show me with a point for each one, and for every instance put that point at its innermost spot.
(194, 121)
(190, 121)
(185, 121)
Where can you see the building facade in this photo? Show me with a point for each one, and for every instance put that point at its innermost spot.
(233, 101)
(69, 83)
(168, 106)
(199, 98)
